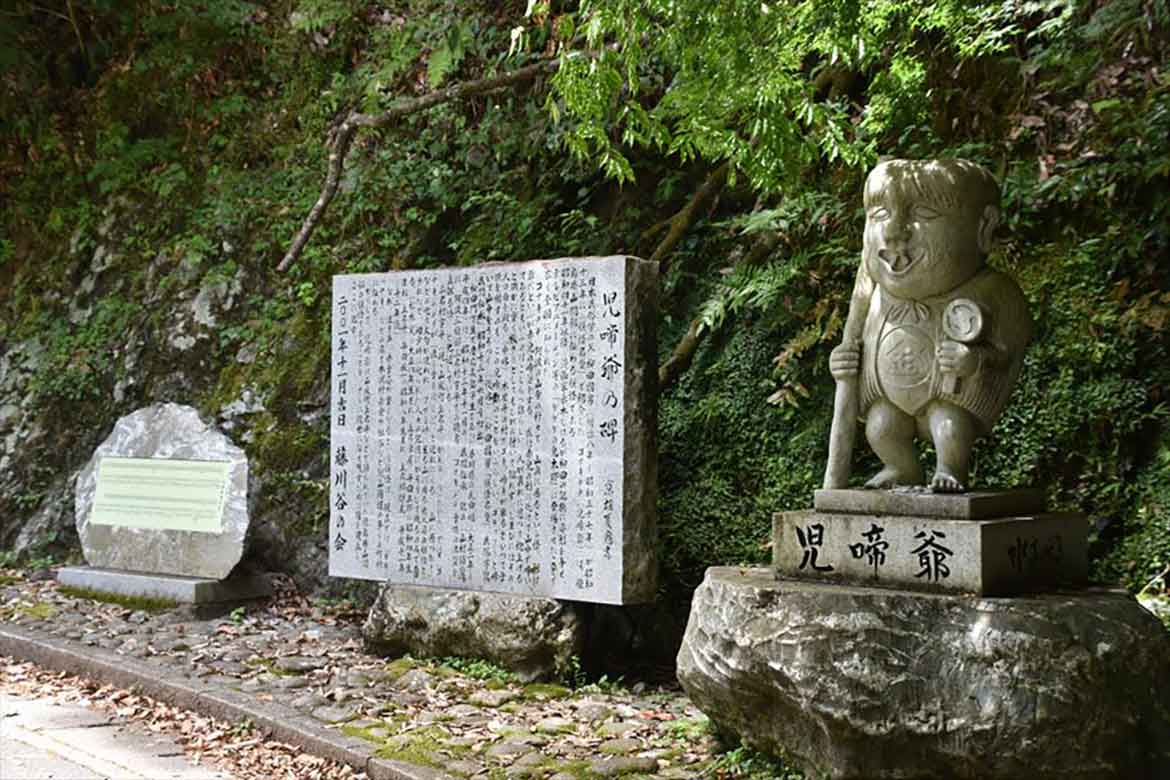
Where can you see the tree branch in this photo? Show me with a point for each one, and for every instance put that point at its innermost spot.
(343, 138)
(681, 222)
(684, 352)
(680, 359)
(77, 31)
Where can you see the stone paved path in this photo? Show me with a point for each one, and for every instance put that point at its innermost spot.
(469, 722)
(43, 739)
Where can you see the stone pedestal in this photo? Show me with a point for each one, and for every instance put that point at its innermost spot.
(989, 543)
(975, 505)
(184, 590)
(534, 637)
(855, 682)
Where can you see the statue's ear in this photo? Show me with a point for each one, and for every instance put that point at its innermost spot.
(988, 222)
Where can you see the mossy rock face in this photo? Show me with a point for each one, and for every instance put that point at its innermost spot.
(427, 746)
(39, 611)
(129, 602)
(400, 666)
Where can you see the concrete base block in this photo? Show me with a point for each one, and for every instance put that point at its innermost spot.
(921, 502)
(1000, 556)
(184, 590)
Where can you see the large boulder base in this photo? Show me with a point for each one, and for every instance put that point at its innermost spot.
(534, 637)
(854, 682)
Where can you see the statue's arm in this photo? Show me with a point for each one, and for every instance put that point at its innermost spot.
(858, 305)
(845, 360)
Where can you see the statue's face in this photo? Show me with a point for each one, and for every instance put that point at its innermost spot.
(920, 240)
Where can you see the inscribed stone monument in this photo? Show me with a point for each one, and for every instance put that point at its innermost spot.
(871, 650)
(493, 428)
(162, 510)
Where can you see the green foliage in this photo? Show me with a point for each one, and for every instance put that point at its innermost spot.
(743, 80)
(445, 57)
(9, 560)
(689, 729)
(477, 668)
(79, 364)
(1141, 558)
(744, 763)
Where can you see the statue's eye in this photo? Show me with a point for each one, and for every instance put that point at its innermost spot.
(926, 213)
(879, 213)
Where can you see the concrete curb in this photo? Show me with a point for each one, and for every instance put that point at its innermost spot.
(278, 721)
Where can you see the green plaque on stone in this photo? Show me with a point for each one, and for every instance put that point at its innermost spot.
(161, 494)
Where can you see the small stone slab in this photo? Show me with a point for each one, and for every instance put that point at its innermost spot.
(165, 432)
(985, 557)
(623, 765)
(184, 590)
(300, 664)
(554, 725)
(920, 502)
(328, 714)
(869, 683)
(492, 698)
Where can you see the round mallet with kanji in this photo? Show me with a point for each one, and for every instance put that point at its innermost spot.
(962, 321)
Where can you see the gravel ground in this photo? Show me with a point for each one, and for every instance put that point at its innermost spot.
(466, 718)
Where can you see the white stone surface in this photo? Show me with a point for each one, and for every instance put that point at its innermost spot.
(169, 432)
(986, 557)
(179, 495)
(493, 428)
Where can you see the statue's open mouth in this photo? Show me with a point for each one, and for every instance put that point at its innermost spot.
(899, 262)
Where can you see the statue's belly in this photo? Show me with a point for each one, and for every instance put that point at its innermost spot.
(905, 366)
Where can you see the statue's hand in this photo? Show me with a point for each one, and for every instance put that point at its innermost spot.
(957, 359)
(845, 360)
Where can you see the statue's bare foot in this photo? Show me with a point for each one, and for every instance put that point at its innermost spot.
(892, 477)
(944, 481)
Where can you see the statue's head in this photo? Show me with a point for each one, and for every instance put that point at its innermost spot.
(928, 224)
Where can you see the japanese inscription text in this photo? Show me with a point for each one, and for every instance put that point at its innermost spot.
(478, 430)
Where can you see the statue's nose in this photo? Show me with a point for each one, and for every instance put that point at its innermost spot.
(897, 229)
